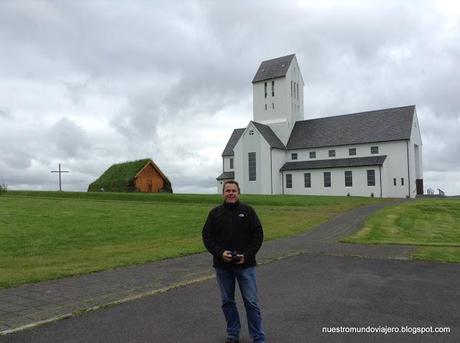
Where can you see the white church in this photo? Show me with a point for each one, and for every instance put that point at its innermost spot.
(374, 153)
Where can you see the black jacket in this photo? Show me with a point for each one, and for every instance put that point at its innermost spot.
(233, 227)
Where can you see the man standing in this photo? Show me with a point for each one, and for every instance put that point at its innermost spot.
(233, 235)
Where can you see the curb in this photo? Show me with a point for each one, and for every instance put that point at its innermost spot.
(106, 305)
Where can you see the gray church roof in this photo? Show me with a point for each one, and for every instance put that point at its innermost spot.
(274, 68)
(335, 163)
(271, 138)
(366, 127)
(265, 130)
(234, 138)
(384, 125)
(226, 176)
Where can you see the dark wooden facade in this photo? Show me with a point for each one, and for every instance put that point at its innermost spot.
(150, 180)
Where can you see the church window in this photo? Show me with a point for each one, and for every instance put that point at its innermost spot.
(294, 89)
(291, 89)
(312, 154)
(231, 163)
(252, 166)
(352, 151)
(288, 180)
(371, 177)
(331, 153)
(273, 88)
(348, 178)
(307, 180)
(402, 181)
(394, 181)
(294, 156)
(297, 91)
(273, 105)
(327, 179)
(374, 149)
(251, 132)
(265, 107)
(265, 88)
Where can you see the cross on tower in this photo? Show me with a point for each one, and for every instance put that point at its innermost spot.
(60, 172)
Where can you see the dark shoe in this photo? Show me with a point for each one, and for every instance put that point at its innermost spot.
(232, 340)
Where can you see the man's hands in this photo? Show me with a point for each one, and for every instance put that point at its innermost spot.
(227, 257)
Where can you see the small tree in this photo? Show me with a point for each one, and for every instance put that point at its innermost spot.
(3, 188)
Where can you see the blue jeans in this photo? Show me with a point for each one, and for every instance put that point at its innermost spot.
(247, 282)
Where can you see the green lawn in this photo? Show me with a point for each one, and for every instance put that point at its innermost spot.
(46, 235)
(433, 225)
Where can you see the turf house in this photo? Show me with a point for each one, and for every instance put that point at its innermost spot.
(135, 176)
(374, 153)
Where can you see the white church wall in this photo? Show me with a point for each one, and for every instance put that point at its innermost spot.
(412, 183)
(264, 166)
(362, 150)
(225, 168)
(227, 165)
(278, 160)
(295, 109)
(282, 130)
(252, 143)
(416, 139)
(239, 164)
(269, 179)
(359, 182)
(220, 184)
(395, 165)
(270, 108)
(415, 157)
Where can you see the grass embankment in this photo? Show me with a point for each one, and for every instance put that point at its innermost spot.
(433, 225)
(46, 235)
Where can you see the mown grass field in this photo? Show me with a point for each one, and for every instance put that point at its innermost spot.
(433, 225)
(46, 235)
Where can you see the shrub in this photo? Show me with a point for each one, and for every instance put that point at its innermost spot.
(3, 188)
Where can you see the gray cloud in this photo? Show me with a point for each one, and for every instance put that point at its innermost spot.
(69, 139)
(5, 113)
(140, 117)
(76, 90)
(16, 158)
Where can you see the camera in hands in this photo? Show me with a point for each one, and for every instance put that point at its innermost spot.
(235, 257)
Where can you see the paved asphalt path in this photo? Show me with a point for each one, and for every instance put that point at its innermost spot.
(299, 295)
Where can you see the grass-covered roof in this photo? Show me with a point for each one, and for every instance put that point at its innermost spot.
(119, 177)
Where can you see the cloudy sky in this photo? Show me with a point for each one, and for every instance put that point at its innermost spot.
(92, 83)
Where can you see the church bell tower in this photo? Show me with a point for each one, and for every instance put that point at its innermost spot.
(278, 95)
